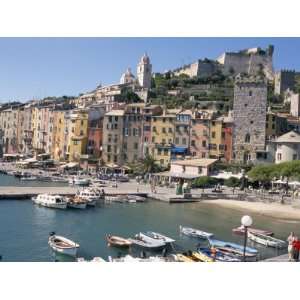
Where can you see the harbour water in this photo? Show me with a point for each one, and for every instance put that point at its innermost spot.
(24, 227)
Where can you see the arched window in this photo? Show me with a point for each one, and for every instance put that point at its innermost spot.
(247, 138)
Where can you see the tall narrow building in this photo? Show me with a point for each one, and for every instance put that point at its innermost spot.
(249, 119)
(144, 72)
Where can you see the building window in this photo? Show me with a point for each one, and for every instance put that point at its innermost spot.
(184, 141)
(294, 156)
(154, 129)
(203, 154)
(279, 156)
(177, 140)
(166, 152)
(153, 139)
(170, 130)
(158, 151)
(194, 153)
(199, 170)
(193, 143)
(164, 130)
(115, 158)
(204, 144)
(136, 145)
(161, 161)
(163, 141)
(247, 138)
(108, 158)
(213, 134)
(108, 148)
(250, 93)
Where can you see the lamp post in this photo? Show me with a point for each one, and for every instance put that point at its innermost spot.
(246, 222)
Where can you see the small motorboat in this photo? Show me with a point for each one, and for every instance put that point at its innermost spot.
(30, 178)
(182, 258)
(159, 236)
(146, 242)
(95, 259)
(206, 255)
(241, 230)
(266, 240)
(116, 198)
(195, 232)
(62, 245)
(135, 198)
(129, 258)
(79, 181)
(91, 196)
(118, 241)
(233, 249)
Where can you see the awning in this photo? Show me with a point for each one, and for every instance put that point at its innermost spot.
(179, 150)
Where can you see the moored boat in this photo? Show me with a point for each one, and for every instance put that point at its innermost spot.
(118, 241)
(76, 203)
(135, 198)
(207, 255)
(159, 236)
(29, 178)
(91, 196)
(146, 242)
(115, 198)
(195, 232)
(63, 245)
(265, 240)
(79, 181)
(51, 201)
(182, 258)
(241, 230)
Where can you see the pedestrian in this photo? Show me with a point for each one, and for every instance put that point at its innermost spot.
(296, 249)
(290, 241)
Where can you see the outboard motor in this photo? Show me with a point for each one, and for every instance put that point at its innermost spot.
(51, 233)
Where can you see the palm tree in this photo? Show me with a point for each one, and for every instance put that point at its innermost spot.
(149, 164)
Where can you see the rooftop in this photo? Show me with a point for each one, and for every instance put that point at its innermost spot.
(290, 137)
(116, 112)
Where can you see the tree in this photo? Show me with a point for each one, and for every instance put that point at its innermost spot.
(232, 182)
(149, 164)
(204, 182)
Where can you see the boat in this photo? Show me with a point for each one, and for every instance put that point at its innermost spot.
(266, 240)
(29, 178)
(51, 201)
(116, 198)
(95, 259)
(135, 198)
(182, 258)
(159, 236)
(129, 258)
(91, 196)
(195, 232)
(62, 245)
(241, 230)
(76, 203)
(146, 242)
(118, 241)
(205, 254)
(79, 181)
(202, 256)
(233, 249)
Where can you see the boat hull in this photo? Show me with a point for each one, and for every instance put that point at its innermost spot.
(51, 205)
(267, 241)
(77, 205)
(63, 245)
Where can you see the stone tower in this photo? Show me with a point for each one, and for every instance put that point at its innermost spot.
(144, 72)
(249, 119)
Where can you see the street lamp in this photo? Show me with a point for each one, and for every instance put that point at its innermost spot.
(246, 222)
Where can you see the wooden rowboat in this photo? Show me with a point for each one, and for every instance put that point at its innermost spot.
(118, 241)
(241, 230)
(62, 245)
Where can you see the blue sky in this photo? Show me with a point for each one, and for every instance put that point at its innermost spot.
(39, 67)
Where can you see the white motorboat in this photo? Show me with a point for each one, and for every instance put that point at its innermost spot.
(159, 236)
(91, 196)
(195, 232)
(116, 198)
(95, 259)
(129, 258)
(63, 245)
(30, 178)
(79, 181)
(147, 242)
(135, 198)
(51, 201)
(266, 240)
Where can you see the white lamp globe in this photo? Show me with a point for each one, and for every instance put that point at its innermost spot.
(246, 221)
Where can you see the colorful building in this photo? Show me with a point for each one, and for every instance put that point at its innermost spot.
(216, 146)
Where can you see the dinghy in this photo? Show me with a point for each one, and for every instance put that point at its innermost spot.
(159, 236)
(206, 255)
(118, 241)
(266, 240)
(195, 232)
(182, 258)
(62, 245)
(241, 230)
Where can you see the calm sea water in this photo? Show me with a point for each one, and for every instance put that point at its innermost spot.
(24, 227)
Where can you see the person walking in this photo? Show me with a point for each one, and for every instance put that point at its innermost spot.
(290, 240)
(296, 249)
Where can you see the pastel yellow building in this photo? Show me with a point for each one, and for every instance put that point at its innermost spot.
(216, 147)
(60, 135)
(162, 137)
(78, 135)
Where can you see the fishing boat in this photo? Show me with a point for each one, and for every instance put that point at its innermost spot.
(195, 232)
(79, 181)
(206, 255)
(91, 196)
(241, 230)
(118, 241)
(233, 249)
(161, 237)
(76, 203)
(135, 198)
(51, 201)
(146, 242)
(62, 245)
(268, 241)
